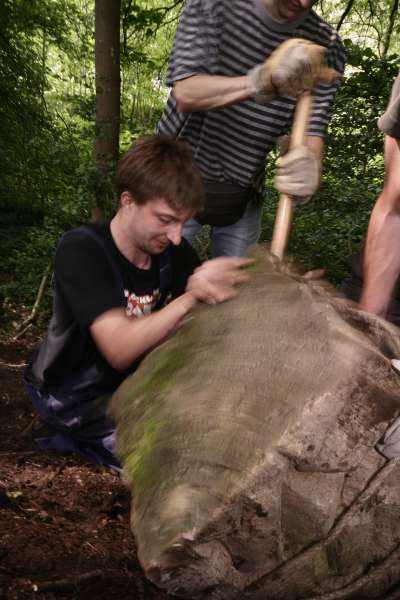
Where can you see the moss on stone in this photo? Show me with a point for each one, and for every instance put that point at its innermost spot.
(321, 566)
(137, 439)
(254, 267)
(137, 464)
(169, 362)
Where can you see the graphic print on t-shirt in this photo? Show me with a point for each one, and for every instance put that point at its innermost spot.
(139, 306)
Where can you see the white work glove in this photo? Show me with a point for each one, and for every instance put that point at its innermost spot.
(298, 174)
(294, 67)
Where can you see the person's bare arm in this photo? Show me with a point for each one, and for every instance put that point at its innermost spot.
(382, 252)
(122, 340)
(205, 92)
(313, 142)
(316, 144)
(293, 67)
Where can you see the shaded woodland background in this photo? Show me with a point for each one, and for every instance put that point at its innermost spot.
(81, 79)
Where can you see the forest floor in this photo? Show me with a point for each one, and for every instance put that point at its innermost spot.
(64, 524)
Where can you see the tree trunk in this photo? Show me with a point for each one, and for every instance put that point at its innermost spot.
(345, 13)
(389, 31)
(107, 56)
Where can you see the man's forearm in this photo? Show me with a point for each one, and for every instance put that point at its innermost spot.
(382, 256)
(316, 144)
(122, 340)
(205, 92)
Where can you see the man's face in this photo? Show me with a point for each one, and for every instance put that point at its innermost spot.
(288, 10)
(154, 225)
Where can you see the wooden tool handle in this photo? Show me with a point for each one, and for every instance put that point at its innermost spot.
(284, 214)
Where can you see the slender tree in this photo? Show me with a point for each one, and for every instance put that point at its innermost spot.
(345, 13)
(392, 20)
(107, 62)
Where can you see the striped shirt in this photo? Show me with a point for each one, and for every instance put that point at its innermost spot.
(229, 37)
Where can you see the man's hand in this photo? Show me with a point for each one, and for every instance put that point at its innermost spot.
(298, 174)
(291, 69)
(215, 280)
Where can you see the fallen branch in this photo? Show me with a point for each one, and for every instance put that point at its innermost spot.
(19, 453)
(21, 332)
(22, 328)
(28, 428)
(12, 365)
(68, 582)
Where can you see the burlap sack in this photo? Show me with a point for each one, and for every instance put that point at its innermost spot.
(249, 443)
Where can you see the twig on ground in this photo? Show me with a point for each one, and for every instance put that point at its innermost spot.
(20, 453)
(28, 427)
(21, 332)
(22, 328)
(68, 582)
(13, 365)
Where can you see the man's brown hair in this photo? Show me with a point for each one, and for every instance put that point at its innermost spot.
(160, 167)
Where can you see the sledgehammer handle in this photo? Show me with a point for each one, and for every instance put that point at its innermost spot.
(284, 214)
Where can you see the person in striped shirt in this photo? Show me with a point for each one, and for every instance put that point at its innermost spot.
(227, 104)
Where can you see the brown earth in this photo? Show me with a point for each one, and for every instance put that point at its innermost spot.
(64, 524)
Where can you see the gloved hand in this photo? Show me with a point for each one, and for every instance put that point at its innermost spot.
(294, 67)
(298, 174)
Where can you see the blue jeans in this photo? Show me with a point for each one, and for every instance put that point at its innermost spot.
(69, 427)
(232, 240)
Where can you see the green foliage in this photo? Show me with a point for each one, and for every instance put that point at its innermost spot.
(47, 137)
(27, 129)
(27, 257)
(147, 33)
(49, 181)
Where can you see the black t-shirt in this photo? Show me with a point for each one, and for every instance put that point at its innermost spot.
(91, 278)
(88, 282)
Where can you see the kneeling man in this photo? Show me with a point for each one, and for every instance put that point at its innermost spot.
(120, 289)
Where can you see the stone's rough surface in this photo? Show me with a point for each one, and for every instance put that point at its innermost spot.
(248, 442)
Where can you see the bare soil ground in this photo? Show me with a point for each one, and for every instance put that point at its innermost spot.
(64, 524)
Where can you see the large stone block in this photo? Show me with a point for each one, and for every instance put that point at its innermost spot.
(249, 439)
